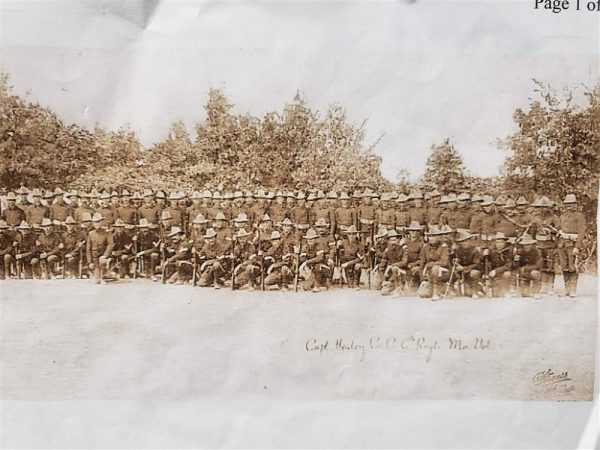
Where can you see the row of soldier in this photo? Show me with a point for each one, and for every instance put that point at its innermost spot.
(470, 245)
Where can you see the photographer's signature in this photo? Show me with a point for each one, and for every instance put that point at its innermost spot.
(553, 380)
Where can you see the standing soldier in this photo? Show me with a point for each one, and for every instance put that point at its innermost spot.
(126, 211)
(48, 248)
(571, 233)
(22, 201)
(345, 216)
(367, 214)
(433, 211)
(193, 210)
(59, 210)
(105, 209)
(386, 216)
(82, 206)
(546, 225)
(402, 215)
(99, 247)
(148, 210)
(417, 212)
(175, 210)
(160, 201)
(36, 212)
(464, 206)
(278, 210)
(300, 214)
(12, 214)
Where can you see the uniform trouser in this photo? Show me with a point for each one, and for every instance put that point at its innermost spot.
(44, 266)
(72, 264)
(438, 276)
(320, 274)
(352, 272)
(6, 265)
(470, 280)
(148, 263)
(548, 272)
(530, 282)
(211, 273)
(281, 274)
(122, 263)
(247, 272)
(501, 283)
(568, 265)
(100, 267)
(182, 271)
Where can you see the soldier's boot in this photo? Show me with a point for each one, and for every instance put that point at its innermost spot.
(356, 278)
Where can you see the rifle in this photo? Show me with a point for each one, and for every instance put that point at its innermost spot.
(80, 262)
(297, 268)
(17, 267)
(486, 276)
(163, 261)
(233, 263)
(450, 278)
(62, 270)
(195, 267)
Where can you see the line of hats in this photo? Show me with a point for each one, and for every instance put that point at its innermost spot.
(485, 200)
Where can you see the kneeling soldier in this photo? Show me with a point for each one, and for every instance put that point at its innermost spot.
(529, 265)
(122, 250)
(48, 248)
(147, 243)
(247, 261)
(468, 264)
(99, 247)
(73, 247)
(24, 248)
(211, 254)
(179, 258)
(6, 248)
(352, 256)
(500, 262)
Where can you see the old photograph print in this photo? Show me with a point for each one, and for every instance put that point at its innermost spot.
(299, 201)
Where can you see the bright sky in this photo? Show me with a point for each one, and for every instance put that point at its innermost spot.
(418, 71)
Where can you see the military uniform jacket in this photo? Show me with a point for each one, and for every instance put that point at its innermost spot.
(300, 215)
(277, 213)
(438, 254)
(345, 217)
(72, 241)
(573, 223)
(99, 243)
(393, 253)
(123, 244)
(178, 216)
(210, 250)
(108, 214)
(530, 259)
(366, 214)
(49, 243)
(413, 253)
(402, 219)
(351, 250)
(242, 252)
(6, 243)
(35, 214)
(80, 210)
(147, 241)
(433, 215)
(60, 211)
(13, 216)
(127, 214)
(500, 261)
(26, 242)
(469, 258)
(150, 213)
(507, 227)
(386, 217)
(180, 252)
(417, 214)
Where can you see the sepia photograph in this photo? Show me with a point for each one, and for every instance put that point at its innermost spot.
(259, 201)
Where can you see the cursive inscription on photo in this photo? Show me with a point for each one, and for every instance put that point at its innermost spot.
(553, 381)
(393, 344)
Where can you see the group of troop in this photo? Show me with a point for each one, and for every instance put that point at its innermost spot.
(456, 244)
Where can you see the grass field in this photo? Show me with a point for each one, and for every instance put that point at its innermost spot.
(73, 339)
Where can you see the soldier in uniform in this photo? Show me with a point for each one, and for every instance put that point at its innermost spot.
(377, 255)
(175, 210)
(247, 261)
(83, 207)
(545, 229)
(417, 212)
(366, 214)
(148, 210)
(499, 263)
(300, 214)
(319, 260)
(12, 214)
(24, 248)
(126, 211)
(6, 249)
(73, 242)
(280, 254)
(571, 233)
(386, 216)
(147, 247)
(412, 255)
(402, 215)
(278, 210)
(352, 257)
(529, 265)
(123, 249)
(212, 255)
(36, 212)
(48, 248)
(436, 258)
(178, 252)
(59, 210)
(433, 211)
(106, 209)
(99, 247)
(468, 266)
(345, 216)
(393, 276)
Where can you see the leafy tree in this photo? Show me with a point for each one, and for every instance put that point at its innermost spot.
(556, 149)
(445, 169)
